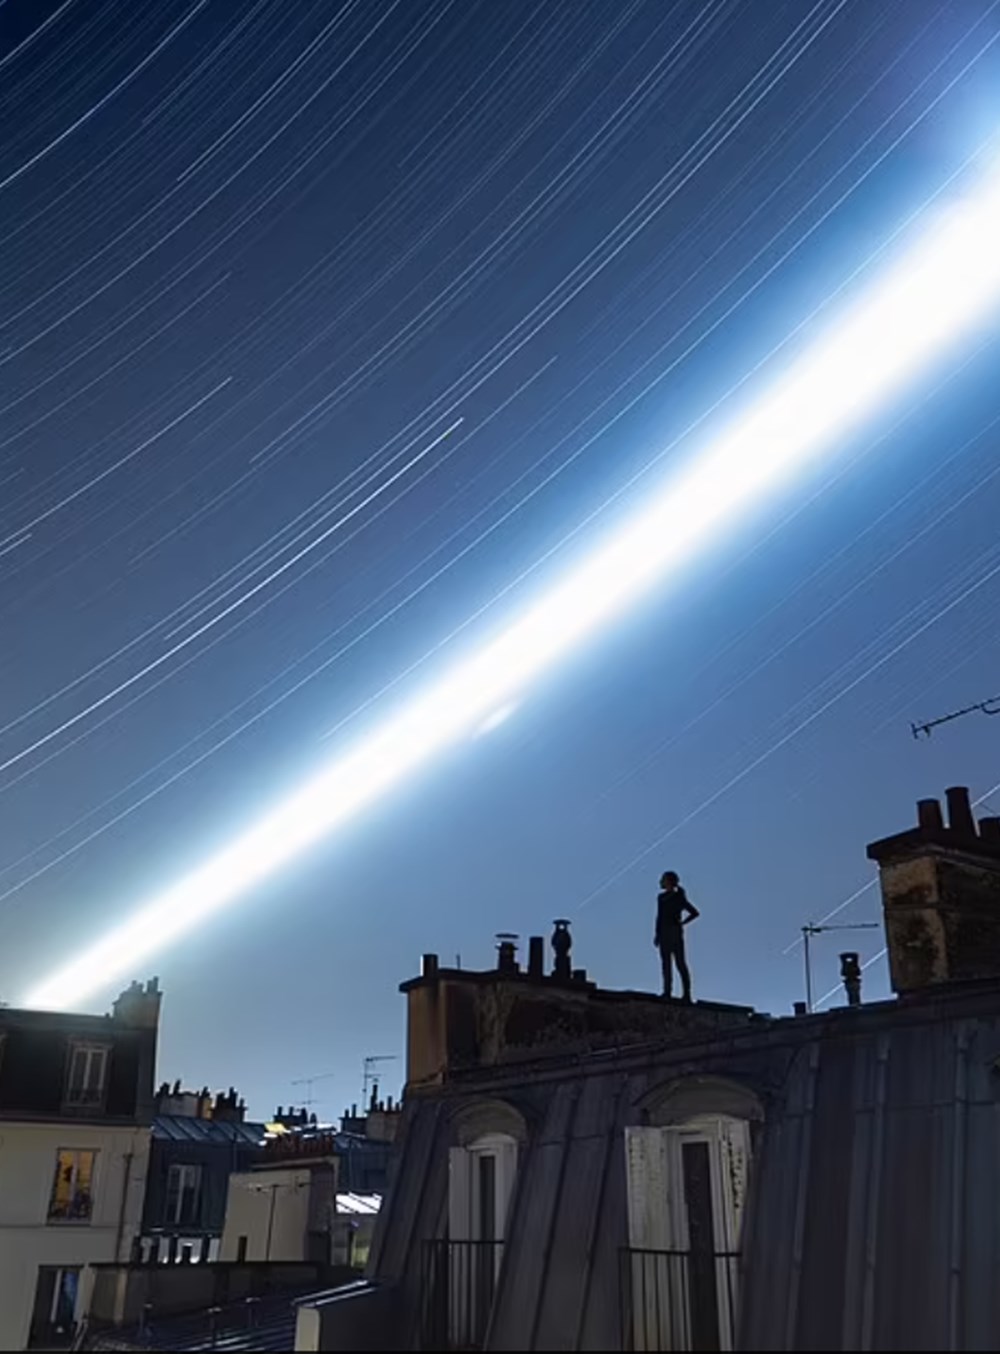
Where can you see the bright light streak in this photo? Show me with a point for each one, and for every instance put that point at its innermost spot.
(936, 292)
(496, 718)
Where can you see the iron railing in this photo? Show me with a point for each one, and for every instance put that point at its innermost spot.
(679, 1300)
(459, 1283)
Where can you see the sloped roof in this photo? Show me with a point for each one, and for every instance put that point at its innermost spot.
(186, 1128)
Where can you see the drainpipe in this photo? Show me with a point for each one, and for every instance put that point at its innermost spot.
(270, 1223)
(124, 1202)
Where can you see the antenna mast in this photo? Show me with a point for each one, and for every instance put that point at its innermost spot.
(371, 1063)
(309, 1083)
(986, 707)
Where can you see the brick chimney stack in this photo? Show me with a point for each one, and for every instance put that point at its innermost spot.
(941, 896)
(229, 1108)
(139, 1006)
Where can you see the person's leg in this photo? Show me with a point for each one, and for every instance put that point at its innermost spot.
(668, 977)
(680, 959)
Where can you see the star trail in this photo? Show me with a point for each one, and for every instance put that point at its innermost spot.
(323, 328)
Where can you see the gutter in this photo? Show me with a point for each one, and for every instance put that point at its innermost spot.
(120, 1229)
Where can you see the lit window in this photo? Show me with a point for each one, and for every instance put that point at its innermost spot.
(72, 1189)
(183, 1195)
(88, 1073)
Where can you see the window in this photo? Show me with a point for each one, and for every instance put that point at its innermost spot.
(480, 1189)
(687, 1191)
(72, 1189)
(88, 1074)
(463, 1268)
(54, 1309)
(183, 1195)
(358, 1248)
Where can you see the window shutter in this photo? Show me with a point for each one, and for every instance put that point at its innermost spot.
(734, 1143)
(649, 1202)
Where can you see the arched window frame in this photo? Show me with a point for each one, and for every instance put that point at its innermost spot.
(688, 1167)
(487, 1139)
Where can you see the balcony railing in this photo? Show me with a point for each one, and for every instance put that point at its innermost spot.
(679, 1300)
(459, 1283)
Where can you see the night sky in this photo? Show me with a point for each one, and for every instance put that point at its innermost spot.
(256, 259)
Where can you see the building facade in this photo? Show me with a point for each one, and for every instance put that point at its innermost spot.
(198, 1141)
(580, 1169)
(313, 1194)
(76, 1100)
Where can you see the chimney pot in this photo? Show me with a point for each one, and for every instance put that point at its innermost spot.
(138, 1006)
(536, 957)
(579, 975)
(562, 943)
(506, 952)
(929, 815)
(960, 818)
(799, 1008)
(429, 966)
(850, 971)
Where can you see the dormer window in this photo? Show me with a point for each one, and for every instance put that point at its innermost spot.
(88, 1076)
(687, 1173)
(480, 1189)
(464, 1268)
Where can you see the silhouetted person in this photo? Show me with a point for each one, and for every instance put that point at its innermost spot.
(673, 912)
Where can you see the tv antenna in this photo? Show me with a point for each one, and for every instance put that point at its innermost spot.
(817, 929)
(371, 1062)
(986, 707)
(309, 1083)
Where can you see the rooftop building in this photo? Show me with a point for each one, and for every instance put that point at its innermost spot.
(583, 1169)
(76, 1101)
(198, 1142)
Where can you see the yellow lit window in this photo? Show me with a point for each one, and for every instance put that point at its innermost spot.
(72, 1198)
